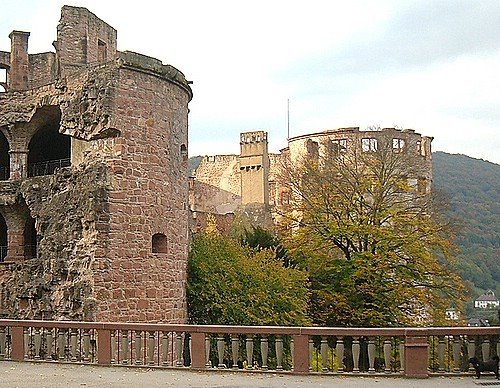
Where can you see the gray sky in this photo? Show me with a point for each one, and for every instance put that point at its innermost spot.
(429, 65)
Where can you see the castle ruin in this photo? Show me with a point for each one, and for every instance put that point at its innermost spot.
(93, 179)
(249, 183)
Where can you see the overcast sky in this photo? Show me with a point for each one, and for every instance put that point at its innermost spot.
(429, 65)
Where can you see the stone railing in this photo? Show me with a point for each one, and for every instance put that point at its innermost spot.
(411, 352)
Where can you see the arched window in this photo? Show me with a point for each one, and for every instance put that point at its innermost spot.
(3, 238)
(184, 152)
(48, 149)
(30, 240)
(159, 243)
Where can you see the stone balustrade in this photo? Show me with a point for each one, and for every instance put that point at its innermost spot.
(410, 352)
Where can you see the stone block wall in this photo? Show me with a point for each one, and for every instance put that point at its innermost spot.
(148, 196)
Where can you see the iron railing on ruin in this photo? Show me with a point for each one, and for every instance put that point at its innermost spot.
(412, 352)
(47, 167)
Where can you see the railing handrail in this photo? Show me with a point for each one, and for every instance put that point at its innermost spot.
(232, 329)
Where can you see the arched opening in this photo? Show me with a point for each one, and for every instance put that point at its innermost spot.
(48, 149)
(4, 158)
(3, 239)
(3, 79)
(184, 152)
(30, 240)
(159, 243)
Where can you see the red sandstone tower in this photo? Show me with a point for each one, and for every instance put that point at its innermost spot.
(93, 201)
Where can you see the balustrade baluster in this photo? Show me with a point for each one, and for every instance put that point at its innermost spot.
(124, 346)
(74, 344)
(441, 352)
(456, 353)
(340, 354)
(292, 350)
(86, 345)
(485, 349)
(402, 354)
(138, 347)
(235, 350)
(324, 354)
(113, 346)
(311, 353)
(264, 350)
(61, 342)
(471, 350)
(371, 354)
(26, 343)
(498, 346)
(50, 342)
(178, 348)
(37, 343)
(279, 352)
(3, 338)
(249, 349)
(387, 349)
(208, 364)
(151, 347)
(164, 347)
(220, 351)
(355, 353)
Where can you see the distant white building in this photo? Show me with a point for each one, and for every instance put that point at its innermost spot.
(487, 300)
(452, 314)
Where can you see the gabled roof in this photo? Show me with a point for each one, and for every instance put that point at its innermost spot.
(488, 296)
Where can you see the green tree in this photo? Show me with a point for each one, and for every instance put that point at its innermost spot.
(236, 285)
(377, 251)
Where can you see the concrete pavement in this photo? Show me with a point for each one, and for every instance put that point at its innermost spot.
(35, 375)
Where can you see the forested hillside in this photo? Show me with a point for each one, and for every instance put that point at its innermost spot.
(472, 187)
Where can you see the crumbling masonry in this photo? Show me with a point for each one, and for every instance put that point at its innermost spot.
(93, 169)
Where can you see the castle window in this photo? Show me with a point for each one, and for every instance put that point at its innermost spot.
(369, 144)
(184, 152)
(284, 198)
(102, 52)
(159, 243)
(338, 147)
(398, 145)
(419, 147)
(30, 239)
(312, 149)
(4, 158)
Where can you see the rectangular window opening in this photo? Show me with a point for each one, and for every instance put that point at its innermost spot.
(369, 145)
(398, 145)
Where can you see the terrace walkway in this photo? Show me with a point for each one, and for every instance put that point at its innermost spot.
(54, 375)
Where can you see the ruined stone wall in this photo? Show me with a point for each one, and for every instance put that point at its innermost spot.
(415, 152)
(148, 195)
(42, 69)
(217, 185)
(81, 37)
(69, 206)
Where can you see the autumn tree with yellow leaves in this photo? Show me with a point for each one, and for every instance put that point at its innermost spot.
(376, 249)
